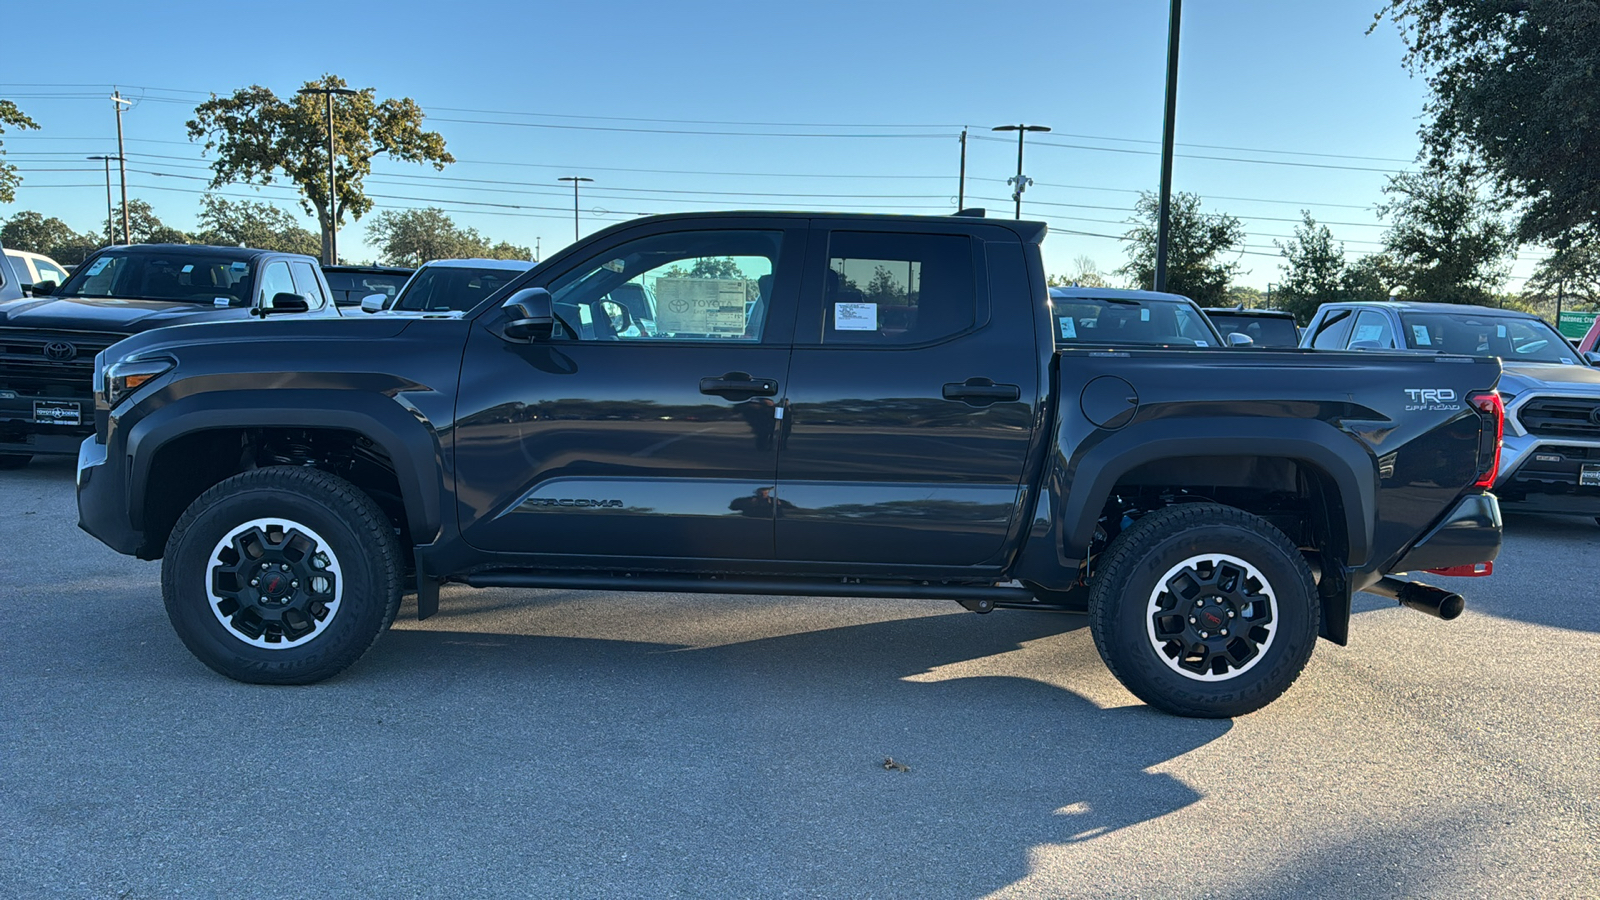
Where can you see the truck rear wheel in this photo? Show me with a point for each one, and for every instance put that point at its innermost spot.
(1204, 610)
(281, 576)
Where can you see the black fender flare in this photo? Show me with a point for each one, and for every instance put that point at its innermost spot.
(1335, 454)
(408, 441)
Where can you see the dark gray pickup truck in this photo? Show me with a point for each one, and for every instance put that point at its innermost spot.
(824, 404)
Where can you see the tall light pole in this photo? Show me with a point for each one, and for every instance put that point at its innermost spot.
(574, 179)
(1164, 226)
(961, 185)
(1019, 183)
(122, 163)
(333, 194)
(110, 233)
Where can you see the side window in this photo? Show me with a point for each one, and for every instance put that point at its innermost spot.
(1333, 330)
(49, 272)
(19, 264)
(684, 286)
(275, 280)
(306, 284)
(883, 288)
(1374, 327)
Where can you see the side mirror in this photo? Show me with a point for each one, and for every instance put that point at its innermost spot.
(41, 288)
(1364, 345)
(285, 302)
(1238, 339)
(373, 303)
(530, 315)
(1593, 356)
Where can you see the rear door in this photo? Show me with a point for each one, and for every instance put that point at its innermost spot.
(911, 400)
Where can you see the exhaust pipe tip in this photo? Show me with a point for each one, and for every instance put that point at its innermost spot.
(1425, 598)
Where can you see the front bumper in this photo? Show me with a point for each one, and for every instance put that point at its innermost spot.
(103, 500)
(1550, 475)
(43, 426)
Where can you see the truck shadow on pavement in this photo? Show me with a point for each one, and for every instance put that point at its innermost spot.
(750, 766)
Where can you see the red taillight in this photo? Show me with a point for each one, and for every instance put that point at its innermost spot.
(1476, 570)
(1493, 412)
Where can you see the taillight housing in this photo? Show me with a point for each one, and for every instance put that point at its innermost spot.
(1490, 437)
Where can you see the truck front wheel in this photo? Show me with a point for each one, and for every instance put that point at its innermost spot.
(1204, 610)
(281, 576)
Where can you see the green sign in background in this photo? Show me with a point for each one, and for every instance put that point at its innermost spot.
(1576, 324)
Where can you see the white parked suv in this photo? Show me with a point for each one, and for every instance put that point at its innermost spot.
(32, 268)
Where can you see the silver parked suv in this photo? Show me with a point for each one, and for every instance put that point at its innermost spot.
(1551, 459)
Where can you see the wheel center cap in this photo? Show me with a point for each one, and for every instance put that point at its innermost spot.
(274, 586)
(1212, 618)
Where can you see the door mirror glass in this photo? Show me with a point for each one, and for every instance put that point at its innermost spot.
(41, 288)
(1237, 339)
(373, 302)
(529, 315)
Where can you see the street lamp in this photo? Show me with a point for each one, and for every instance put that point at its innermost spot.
(333, 195)
(110, 234)
(1019, 183)
(574, 179)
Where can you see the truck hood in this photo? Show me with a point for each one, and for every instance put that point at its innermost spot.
(105, 314)
(1520, 378)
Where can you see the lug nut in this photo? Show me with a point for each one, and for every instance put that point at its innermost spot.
(295, 584)
(1193, 620)
(283, 566)
(1230, 613)
(256, 581)
(1204, 634)
(1224, 632)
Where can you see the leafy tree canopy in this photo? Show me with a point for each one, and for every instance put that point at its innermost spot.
(31, 231)
(1314, 269)
(1512, 85)
(250, 223)
(1085, 273)
(144, 227)
(259, 138)
(16, 118)
(1447, 240)
(1198, 243)
(411, 237)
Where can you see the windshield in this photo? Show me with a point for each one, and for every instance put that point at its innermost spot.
(1473, 334)
(1263, 331)
(350, 287)
(168, 275)
(445, 288)
(1153, 323)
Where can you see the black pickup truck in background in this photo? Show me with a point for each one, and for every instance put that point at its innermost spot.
(48, 342)
(826, 405)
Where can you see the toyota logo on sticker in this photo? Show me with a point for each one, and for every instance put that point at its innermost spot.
(60, 351)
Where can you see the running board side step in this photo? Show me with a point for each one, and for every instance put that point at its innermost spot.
(978, 598)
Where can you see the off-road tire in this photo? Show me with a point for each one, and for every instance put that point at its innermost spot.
(1201, 555)
(231, 627)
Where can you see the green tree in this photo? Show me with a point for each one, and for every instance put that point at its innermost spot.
(1313, 269)
(1247, 297)
(145, 228)
(707, 267)
(1569, 277)
(258, 138)
(1446, 240)
(411, 237)
(16, 118)
(1512, 85)
(31, 231)
(249, 223)
(1198, 242)
(1368, 278)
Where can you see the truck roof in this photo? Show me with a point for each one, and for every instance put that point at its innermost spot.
(1076, 292)
(1032, 232)
(1428, 306)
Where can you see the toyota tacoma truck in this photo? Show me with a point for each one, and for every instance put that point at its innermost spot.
(48, 341)
(825, 404)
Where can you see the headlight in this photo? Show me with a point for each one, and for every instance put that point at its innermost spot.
(123, 377)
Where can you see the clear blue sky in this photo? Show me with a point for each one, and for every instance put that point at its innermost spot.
(1268, 82)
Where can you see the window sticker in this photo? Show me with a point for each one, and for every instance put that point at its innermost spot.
(702, 305)
(1566, 361)
(240, 267)
(1144, 315)
(1069, 329)
(1420, 334)
(1368, 333)
(615, 265)
(220, 301)
(100, 265)
(1500, 331)
(1199, 343)
(855, 317)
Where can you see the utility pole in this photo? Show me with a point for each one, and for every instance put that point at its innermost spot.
(333, 194)
(122, 163)
(574, 179)
(1164, 226)
(1019, 183)
(961, 189)
(535, 248)
(111, 237)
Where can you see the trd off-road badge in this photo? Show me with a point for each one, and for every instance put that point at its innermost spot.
(1431, 400)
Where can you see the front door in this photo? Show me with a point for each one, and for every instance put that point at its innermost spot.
(645, 427)
(912, 400)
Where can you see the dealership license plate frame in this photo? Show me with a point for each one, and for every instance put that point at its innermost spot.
(1589, 475)
(65, 412)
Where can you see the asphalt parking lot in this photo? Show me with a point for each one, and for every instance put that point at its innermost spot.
(570, 744)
